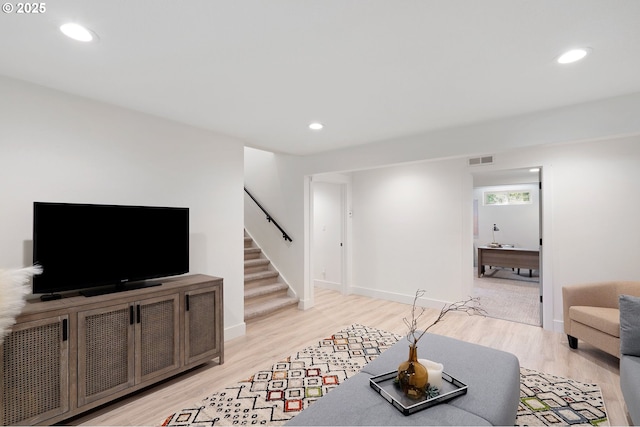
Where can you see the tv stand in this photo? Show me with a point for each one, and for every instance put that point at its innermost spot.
(121, 287)
(67, 356)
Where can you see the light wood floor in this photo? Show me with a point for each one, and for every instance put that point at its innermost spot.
(270, 339)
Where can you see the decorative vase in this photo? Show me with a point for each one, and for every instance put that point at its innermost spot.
(412, 375)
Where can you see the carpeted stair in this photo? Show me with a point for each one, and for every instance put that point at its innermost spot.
(264, 290)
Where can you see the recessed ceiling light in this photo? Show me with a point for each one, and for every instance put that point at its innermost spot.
(77, 32)
(316, 126)
(534, 170)
(573, 55)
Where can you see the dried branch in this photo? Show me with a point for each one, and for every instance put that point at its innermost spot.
(471, 306)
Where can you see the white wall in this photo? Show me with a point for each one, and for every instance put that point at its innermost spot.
(275, 181)
(587, 199)
(408, 225)
(594, 213)
(58, 147)
(412, 228)
(574, 172)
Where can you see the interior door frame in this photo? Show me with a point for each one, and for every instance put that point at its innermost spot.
(541, 223)
(541, 247)
(344, 181)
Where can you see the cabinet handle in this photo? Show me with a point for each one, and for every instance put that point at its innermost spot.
(138, 312)
(186, 300)
(65, 329)
(131, 315)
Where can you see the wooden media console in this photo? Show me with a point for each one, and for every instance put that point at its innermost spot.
(66, 356)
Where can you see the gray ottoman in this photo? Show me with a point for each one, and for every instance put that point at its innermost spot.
(492, 398)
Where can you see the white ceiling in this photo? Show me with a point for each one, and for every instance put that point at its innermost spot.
(370, 70)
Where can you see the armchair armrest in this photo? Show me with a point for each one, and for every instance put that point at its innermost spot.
(602, 294)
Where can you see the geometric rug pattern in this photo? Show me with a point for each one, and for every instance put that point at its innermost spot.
(275, 395)
(551, 400)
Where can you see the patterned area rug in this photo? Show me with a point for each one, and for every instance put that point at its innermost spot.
(275, 395)
(550, 400)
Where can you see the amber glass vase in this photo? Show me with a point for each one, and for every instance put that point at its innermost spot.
(413, 376)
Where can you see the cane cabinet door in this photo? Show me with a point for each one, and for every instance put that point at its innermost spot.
(35, 371)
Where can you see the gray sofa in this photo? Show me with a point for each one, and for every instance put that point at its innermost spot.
(630, 385)
(493, 377)
(630, 354)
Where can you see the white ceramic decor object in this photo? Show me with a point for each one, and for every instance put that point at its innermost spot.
(434, 369)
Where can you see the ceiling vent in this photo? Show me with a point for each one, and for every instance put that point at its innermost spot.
(476, 161)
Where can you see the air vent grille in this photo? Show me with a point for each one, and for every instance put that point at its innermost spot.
(485, 160)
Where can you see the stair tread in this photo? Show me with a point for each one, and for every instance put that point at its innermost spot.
(256, 262)
(260, 275)
(264, 290)
(268, 306)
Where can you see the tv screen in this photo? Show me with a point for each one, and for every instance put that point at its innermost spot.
(83, 246)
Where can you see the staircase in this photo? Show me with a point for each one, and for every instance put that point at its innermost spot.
(264, 290)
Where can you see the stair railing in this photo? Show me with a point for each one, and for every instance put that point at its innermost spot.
(270, 219)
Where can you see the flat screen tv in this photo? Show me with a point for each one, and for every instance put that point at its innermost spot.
(82, 246)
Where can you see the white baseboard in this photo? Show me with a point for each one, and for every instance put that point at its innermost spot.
(305, 304)
(558, 326)
(392, 296)
(235, 331)
(326, 284)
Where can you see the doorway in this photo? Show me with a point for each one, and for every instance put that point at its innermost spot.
(329, 232)
(507, 212)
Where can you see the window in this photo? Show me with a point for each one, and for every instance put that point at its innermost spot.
(507, 198)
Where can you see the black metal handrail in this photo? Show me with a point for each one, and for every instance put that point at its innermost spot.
(285, 236)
